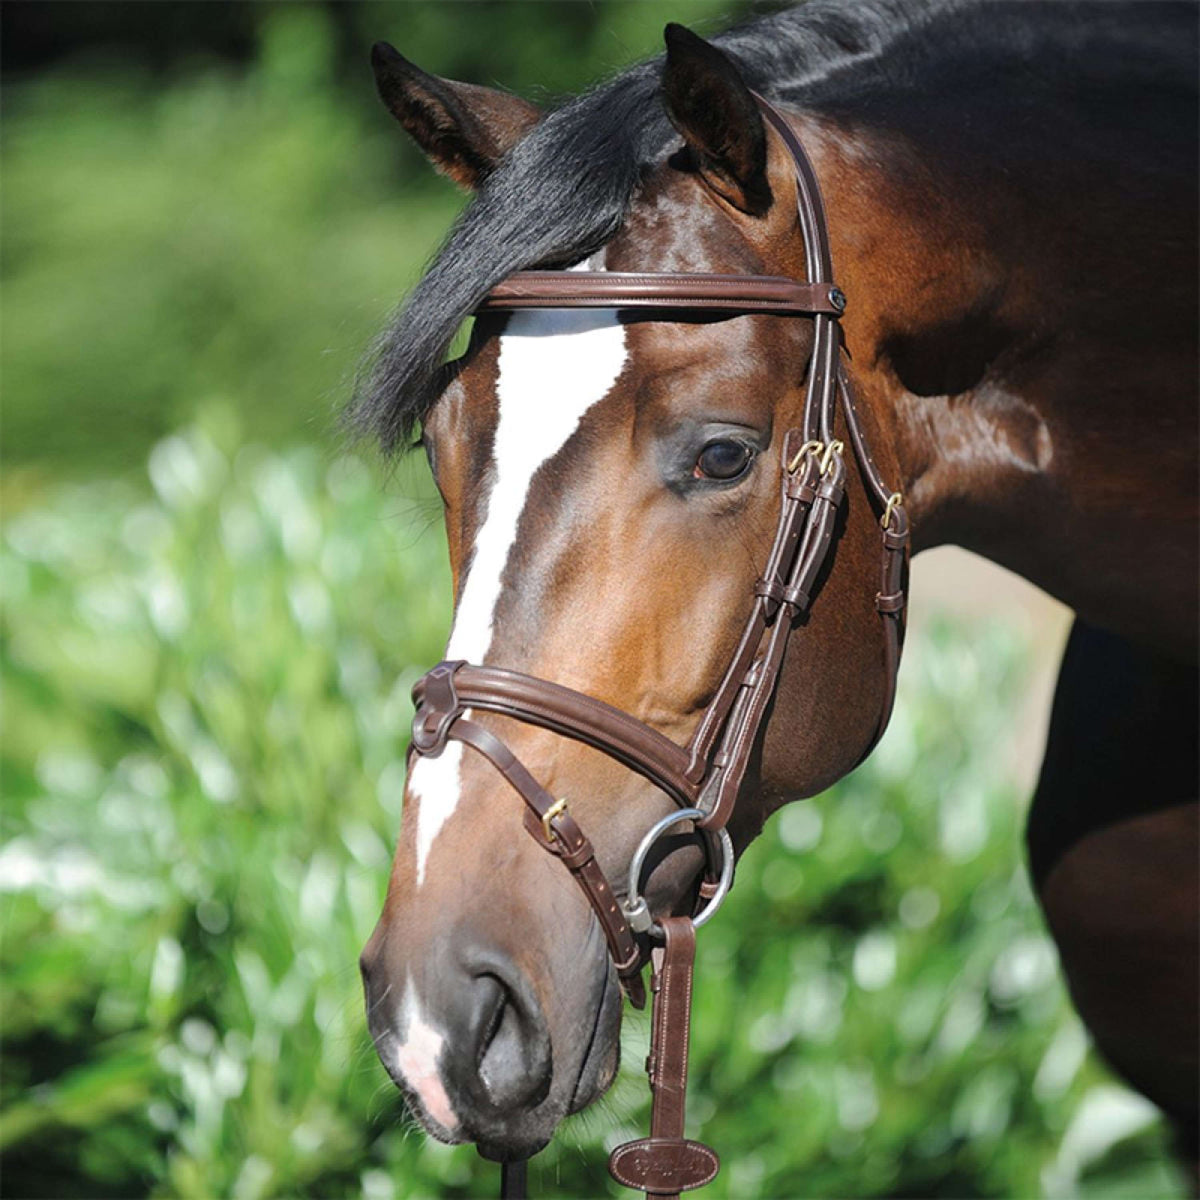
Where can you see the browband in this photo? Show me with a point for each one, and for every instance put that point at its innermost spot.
(620, 289)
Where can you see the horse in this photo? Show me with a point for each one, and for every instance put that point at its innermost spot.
(1012, 218)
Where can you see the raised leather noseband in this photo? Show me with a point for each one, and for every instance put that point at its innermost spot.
(707, 773)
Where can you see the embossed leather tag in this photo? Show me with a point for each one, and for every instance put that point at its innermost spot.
(663, 1165)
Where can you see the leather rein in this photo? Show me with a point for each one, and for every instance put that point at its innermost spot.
(704, 776)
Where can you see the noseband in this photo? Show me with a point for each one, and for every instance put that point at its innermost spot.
(704, 776)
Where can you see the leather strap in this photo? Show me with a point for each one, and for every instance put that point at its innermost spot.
(563, 710)
(513, 1176)
(617, 289)
(547, 821)
(741, 729)
(666, 1163)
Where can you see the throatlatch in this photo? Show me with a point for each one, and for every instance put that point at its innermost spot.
(704, 776)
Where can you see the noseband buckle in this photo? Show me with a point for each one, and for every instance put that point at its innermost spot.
(555, 810)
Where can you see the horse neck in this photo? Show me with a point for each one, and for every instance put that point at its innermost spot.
(1030, 368)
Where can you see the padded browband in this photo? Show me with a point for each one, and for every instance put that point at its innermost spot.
(608, 289)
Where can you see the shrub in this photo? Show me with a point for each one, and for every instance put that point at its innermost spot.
(207, 701)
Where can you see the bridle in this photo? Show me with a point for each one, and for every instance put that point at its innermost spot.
(704, 776)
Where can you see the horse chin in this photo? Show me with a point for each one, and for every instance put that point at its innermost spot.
(509, 1141)
(511, 1151)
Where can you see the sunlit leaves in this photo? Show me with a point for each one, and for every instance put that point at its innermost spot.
(207, 709)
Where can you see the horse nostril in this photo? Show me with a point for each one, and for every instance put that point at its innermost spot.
(372, 952)
(491, 998)
(513, 1046)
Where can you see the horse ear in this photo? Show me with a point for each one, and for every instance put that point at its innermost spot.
(711, 106)
(464, 130)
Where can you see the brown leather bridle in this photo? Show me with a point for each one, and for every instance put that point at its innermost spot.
(704, 776)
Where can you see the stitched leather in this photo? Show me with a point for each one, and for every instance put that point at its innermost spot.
(571, 845)
(666, 1163)
(608, 289)
(570, 713)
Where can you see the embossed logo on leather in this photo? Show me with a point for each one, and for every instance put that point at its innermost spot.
(664, 1165)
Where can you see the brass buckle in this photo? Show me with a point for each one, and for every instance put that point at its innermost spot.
(555, 810)
(807, 448)
(834, 447)
(893, 502)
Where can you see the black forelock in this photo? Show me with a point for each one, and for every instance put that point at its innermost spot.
(561, 193)
(564, 189)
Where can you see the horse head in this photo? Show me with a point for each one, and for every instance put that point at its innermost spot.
(611, 485)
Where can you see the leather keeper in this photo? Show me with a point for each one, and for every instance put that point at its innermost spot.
(799, 487)
(895, 539)
(770, 591)
(437, 709)
(831, 489)
(891, 603)
(797, 599)
(574, 859)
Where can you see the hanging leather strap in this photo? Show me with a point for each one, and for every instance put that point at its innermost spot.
(666, 1163)
(513, 1179)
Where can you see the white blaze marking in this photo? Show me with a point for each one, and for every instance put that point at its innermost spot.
(434, 784)
(554, 365)
(417, 1060)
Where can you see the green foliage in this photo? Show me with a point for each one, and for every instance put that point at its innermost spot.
(207, 703)
(231, 237)
(240, 236)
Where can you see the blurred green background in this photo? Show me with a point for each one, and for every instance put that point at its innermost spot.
(213, 611)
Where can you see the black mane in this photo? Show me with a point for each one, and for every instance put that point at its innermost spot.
(565, 188)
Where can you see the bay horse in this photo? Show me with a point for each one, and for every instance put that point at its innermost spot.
(1011, 193)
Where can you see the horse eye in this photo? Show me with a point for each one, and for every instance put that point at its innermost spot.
(723, 460)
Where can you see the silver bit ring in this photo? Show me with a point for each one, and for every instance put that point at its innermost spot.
(637, 911)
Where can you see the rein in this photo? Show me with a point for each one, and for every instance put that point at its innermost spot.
(703, 777)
